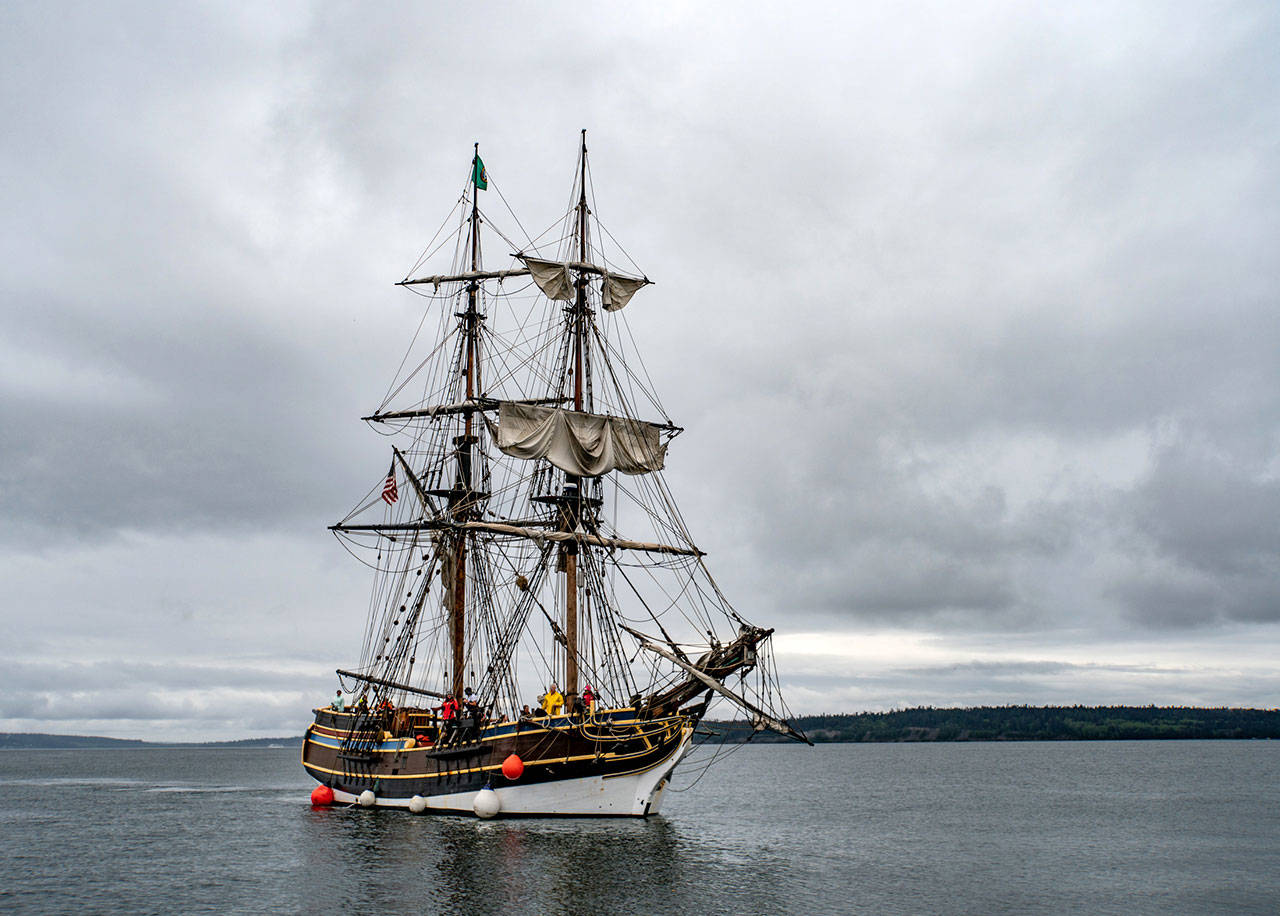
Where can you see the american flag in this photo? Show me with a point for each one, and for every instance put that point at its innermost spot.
(389, 492)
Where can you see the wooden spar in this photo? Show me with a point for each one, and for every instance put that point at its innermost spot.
(573, 515)
(383, 682)
(413, 479)
(582, 267)
(532, 534)
(471, 405)
(474, 275)
(582, 538)
(765, 719)
(470, 276)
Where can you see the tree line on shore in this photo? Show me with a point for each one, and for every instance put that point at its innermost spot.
(1019, 723)
(924, 723)
(41, 741)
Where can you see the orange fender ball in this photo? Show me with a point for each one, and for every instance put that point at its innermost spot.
(321, 796)
(513, 767)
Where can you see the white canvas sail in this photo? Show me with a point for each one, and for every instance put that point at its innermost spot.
(583, 444)
(552, 277)
(618, 290)
(556, 281)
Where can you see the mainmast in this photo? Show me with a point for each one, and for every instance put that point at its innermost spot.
(461, 501)
(573, 485)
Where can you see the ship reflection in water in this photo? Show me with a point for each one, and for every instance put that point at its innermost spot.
(375, 859)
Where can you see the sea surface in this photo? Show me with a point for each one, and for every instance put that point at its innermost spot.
(1073, 827)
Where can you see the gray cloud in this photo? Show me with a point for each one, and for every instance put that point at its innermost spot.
(970, 312)
(1085, 269)
(1033, 682)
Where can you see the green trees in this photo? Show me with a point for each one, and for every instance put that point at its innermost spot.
(1027, 723)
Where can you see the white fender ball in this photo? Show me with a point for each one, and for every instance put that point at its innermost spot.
(417, 804)
(367, 798)
(487, 803)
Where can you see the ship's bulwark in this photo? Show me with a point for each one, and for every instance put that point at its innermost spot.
(610, 763)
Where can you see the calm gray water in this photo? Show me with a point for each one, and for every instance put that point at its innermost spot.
(1123, 827)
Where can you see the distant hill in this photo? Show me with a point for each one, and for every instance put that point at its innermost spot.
(1023, 723)
(33, 741)
(978, 723)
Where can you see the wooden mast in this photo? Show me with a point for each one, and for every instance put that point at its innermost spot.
(464, 444)
(573, 483)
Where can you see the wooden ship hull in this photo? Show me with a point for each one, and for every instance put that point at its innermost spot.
(609, 763)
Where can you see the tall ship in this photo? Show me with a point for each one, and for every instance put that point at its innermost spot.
(543, 635)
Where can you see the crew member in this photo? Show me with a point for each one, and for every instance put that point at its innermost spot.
(448, 716)
(552, 701)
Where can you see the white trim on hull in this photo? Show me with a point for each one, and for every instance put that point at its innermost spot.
(626, 795)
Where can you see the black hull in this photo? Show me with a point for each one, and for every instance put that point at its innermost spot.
(352, 754)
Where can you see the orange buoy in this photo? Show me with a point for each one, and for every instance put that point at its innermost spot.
(321, 796)
(513, 767)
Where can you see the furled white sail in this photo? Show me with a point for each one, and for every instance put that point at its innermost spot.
(618, 290)
(556, 281)
(584, 444)
(552, 277)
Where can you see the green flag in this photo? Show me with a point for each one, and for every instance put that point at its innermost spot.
(479, 177)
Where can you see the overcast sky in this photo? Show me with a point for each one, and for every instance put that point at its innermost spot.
(971, 311)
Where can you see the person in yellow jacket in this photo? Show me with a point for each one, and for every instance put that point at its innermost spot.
(552, 701)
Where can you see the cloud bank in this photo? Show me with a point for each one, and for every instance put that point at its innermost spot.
(987, 296)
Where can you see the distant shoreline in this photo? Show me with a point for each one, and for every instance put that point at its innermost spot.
(979, 723)
(35, 741)
(1021, 723)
